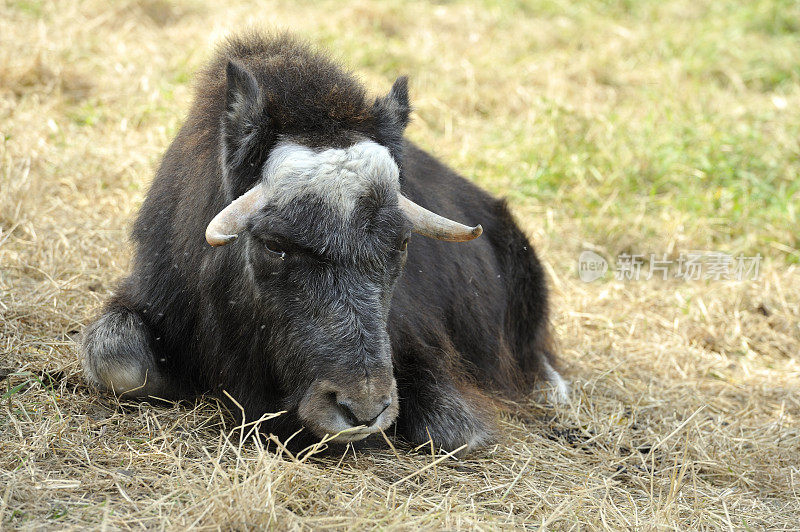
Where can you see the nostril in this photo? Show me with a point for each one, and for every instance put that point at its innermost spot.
(347, 411)
(384, 406)
(351, 418)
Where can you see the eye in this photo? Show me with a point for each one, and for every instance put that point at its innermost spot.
(404, 244)
(275, 249)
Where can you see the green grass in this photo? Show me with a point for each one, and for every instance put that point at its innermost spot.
(699, 129)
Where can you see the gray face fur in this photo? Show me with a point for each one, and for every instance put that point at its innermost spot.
(325, 252)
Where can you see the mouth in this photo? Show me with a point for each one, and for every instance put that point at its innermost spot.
(351, 434)
(342, 432)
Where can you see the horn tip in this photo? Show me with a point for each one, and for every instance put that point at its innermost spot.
(477, 231)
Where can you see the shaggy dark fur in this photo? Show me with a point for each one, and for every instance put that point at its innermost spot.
(465, 321)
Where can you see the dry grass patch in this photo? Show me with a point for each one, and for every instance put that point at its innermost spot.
(618, 126)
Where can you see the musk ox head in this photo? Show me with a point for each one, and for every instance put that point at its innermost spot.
(324, 231)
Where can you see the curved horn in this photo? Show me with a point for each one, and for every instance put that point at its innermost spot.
(432, 225)
(232, 220)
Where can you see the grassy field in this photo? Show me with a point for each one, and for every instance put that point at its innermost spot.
(618, 126)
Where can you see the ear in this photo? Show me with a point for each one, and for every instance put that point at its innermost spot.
(246, 129)
(391, 114)
(394, 106)
(243, 91)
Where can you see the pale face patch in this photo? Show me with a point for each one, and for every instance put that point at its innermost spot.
(339, 176)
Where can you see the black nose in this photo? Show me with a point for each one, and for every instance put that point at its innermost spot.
(346, 409)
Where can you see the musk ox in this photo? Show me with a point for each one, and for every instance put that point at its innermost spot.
(274, 264)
